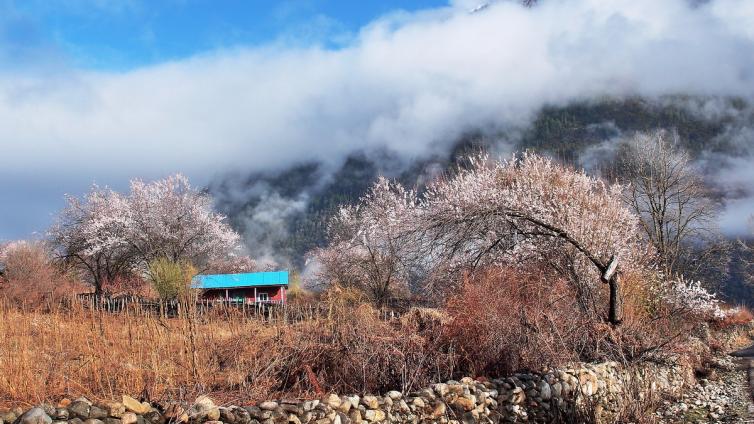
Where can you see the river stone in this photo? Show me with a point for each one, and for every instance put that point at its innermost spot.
(114, 409)
(370, 402)
(96, 413)
(333, 401)
(61, 414)
(292, 418)
(204, 409)
(268, 405)
(93, 421)
(111, 420)
(345, 405)
(291, 409)
(373, 415)
(241, 415)
(394, 394)
(254, 411)
(79, 409)
(84, 399)
(35, 416)
(154, 417)
(49, 409)
(129, 418)
(134, 405)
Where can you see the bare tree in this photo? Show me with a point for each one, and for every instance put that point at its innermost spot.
(747, 253)
(678, 213)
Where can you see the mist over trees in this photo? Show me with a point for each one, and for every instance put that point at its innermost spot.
(677, 208)
(711, 131)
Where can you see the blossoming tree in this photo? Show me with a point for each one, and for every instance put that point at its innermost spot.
(107, 234)
(489, 213)
(368, 247)
(91, 235)
(534, 209)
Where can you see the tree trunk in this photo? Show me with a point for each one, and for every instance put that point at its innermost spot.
(97, 285)
(615, 312)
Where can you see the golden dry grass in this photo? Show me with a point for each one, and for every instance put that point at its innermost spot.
(48, 355)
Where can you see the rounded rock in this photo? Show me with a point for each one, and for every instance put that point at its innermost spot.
(35, 416)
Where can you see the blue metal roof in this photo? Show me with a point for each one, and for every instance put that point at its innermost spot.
(249, 279)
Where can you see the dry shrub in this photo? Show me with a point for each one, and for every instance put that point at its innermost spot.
(31, 277)
(734, 317)
(128, 285)
(353, 352)
(504, 320)
(651, 329)
(74, 351)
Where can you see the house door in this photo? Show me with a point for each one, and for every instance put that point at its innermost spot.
(263, 297)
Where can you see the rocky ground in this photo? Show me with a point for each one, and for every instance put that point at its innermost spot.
(722, 397)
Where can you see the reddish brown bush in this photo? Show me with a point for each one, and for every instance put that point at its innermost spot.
(734, 317)
(30, 275)
(504, 320)
(129, 285)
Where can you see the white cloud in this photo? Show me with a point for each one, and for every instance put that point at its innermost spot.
(411, 82)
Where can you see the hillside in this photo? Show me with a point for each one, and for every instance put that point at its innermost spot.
(284, 214)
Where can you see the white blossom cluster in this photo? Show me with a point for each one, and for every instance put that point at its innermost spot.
(369, 245)
(690, 297)
(530, 208)
(107, 233)
(9, 247)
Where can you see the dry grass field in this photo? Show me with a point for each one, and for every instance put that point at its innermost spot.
(70, 352)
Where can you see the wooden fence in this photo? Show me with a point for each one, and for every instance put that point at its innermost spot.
(265, 311)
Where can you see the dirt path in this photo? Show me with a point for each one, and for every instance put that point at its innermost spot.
(723, 397)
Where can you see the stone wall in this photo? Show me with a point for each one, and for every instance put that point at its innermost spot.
(597, 389)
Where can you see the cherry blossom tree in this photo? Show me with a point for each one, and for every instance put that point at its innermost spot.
(171, 219)
(91, 235)
(688, 297)
(233, 265)
(106, 235)
(489, 213)
(514, 211)
(368, 247)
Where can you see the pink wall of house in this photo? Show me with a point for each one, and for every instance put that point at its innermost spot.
(274, 293)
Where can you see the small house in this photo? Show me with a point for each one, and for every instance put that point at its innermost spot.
(248, 288)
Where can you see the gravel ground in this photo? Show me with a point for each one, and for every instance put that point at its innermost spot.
(722, 398)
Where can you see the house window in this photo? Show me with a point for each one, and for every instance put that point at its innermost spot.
(263, 297)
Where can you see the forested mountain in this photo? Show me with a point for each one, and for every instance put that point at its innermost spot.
(283, 215)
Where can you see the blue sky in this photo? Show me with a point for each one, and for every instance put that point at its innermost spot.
(122, 34)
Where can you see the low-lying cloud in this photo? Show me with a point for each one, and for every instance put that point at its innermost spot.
(410, 83)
